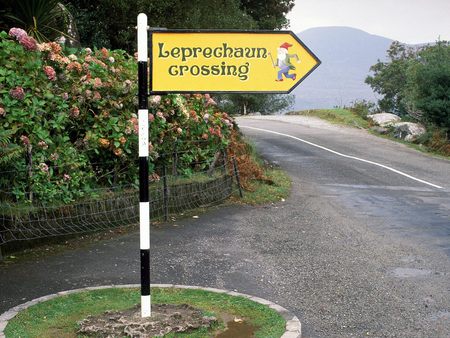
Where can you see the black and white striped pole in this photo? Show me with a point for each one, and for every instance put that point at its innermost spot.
(144, 205)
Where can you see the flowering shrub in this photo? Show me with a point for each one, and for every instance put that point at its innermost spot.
(73, 112)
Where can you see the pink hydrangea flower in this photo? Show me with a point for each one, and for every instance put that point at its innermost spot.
(17, 33)
(134, 121)
(74, 112)
(43, 167)
(28, 42)
(65, 96)
(96, 96)
(50, 72)
(88, 51)
(43, 145)
(66, 177)
(75, 66)
(25, 140)
(105, 52)
(161, 116)
(151, 117)
(210, 102)
(17, 93)
(155, 99)
(44, 47)
(97, 82)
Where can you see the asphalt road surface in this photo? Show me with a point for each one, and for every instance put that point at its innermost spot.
(379, 261)
(360, 248)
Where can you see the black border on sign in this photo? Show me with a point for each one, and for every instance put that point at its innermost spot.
(157, 31)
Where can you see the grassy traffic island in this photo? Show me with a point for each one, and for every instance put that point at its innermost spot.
(176, 312)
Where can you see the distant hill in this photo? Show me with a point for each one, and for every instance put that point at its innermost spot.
(346, 55)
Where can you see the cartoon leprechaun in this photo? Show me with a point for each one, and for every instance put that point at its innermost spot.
(284, 62)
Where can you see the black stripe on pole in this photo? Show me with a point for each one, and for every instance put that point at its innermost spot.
(143, 84)
(145, 273)
(143, 179)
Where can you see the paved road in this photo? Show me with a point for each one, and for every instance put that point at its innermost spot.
(384, 254)
(357, 250)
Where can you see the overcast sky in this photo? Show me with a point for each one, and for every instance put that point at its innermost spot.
(409, 21)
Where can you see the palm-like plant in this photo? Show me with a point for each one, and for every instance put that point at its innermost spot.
(45, 20)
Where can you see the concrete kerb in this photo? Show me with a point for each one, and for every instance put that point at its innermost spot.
(293, 325)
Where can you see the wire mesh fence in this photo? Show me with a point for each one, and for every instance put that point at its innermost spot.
(177, 183)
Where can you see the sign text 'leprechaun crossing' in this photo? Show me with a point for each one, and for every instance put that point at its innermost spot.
(216, 61)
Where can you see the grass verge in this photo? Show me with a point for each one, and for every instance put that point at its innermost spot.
(277, 188)
(261, 182)
(58, 317)
(336, 116)
(423, 148)
(432, 143)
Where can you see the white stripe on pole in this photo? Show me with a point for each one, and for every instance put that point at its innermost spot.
(146, 302)
(142, 37)
(144, 221)
(143, 132)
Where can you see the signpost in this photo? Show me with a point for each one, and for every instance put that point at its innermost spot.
(228, 61)
(186, 61)
(144, 204)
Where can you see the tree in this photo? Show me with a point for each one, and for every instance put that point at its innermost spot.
(432, 79)
(389, 78)
(251, 103)
(101, 29)
(269, 14)
(415, 82)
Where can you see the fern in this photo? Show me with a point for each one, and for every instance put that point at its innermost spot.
(5, 136)
(8, 151)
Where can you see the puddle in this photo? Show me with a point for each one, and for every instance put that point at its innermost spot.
(410, 259)
(237, 330)
(409, 272)
(441, 315)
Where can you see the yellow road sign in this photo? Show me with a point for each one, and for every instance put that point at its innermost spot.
(233, 62)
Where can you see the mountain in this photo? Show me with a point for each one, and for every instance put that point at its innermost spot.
(346, 54)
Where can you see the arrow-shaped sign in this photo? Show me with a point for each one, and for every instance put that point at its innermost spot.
(228, 61)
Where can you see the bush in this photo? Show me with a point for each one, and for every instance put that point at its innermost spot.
(73, 114)
(362, 108)
(435, 140)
